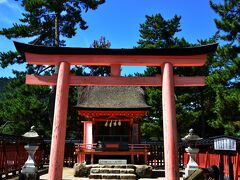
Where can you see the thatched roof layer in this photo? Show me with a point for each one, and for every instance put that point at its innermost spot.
(111, 98)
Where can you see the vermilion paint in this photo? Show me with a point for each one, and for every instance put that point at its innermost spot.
(59, 123)
(169, 124)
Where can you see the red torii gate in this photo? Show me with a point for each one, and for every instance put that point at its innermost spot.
(64, 57)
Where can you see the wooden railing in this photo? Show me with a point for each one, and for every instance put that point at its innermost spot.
(156, 155)
(131, 147)
(131, 150)
(70, 157)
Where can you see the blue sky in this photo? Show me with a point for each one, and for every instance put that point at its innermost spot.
(119, 22)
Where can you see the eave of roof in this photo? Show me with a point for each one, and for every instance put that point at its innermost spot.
(204, 49)
(79, 107)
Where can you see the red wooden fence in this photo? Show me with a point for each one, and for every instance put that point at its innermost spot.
(13, 155)
(206, 159)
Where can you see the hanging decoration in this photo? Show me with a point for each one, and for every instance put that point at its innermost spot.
(113, 123)
(110, 124)
(106, 124)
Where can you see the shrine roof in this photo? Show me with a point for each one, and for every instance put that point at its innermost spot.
(183, 51)
(106, 97)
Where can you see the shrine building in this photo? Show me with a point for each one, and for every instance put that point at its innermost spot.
(112, 127)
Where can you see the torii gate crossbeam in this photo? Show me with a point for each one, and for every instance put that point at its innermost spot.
(166, 58)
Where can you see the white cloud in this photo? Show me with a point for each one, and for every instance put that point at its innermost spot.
(11, 4)
(10, 11)
(6, 20)
(3, 1)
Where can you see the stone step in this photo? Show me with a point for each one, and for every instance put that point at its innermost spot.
(112, 176)
(112, 170)
(112, 166)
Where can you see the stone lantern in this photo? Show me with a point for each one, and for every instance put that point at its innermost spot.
(192, 151)
(29, 170)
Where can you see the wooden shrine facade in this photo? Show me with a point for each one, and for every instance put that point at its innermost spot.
(64, 57)
(113, 122)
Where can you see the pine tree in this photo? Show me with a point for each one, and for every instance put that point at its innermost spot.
(46, 23)
(194, 107)
(24, 106)
(156, 32)
(225, 69)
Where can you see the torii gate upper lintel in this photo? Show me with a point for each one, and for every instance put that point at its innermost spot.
(64, 57)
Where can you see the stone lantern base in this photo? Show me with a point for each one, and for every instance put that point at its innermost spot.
(192, 165)
(29, 176)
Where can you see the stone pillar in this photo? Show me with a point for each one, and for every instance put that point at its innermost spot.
(59, 123)
(29, 170)
(169, 123)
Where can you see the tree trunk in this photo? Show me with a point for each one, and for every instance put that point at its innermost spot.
(53, 88)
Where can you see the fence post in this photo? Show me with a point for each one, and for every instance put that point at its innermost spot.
(236, 167)
(206, 160)
(5, 159)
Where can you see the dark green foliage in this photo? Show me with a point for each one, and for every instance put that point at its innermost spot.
(3, 83)
(25, 106)
(229, 22)
(45, 22)
(10, 58)
(38, 20)
(74, 125)
(156, 32)
(224, 78)
(151, 131)
(215, 108)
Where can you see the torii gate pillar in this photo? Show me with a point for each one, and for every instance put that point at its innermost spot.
(59, 122)
(169, 123)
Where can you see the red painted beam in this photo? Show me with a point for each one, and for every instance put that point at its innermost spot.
(115, 81)
(189, 81)
(41, 80)
(108, 60)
